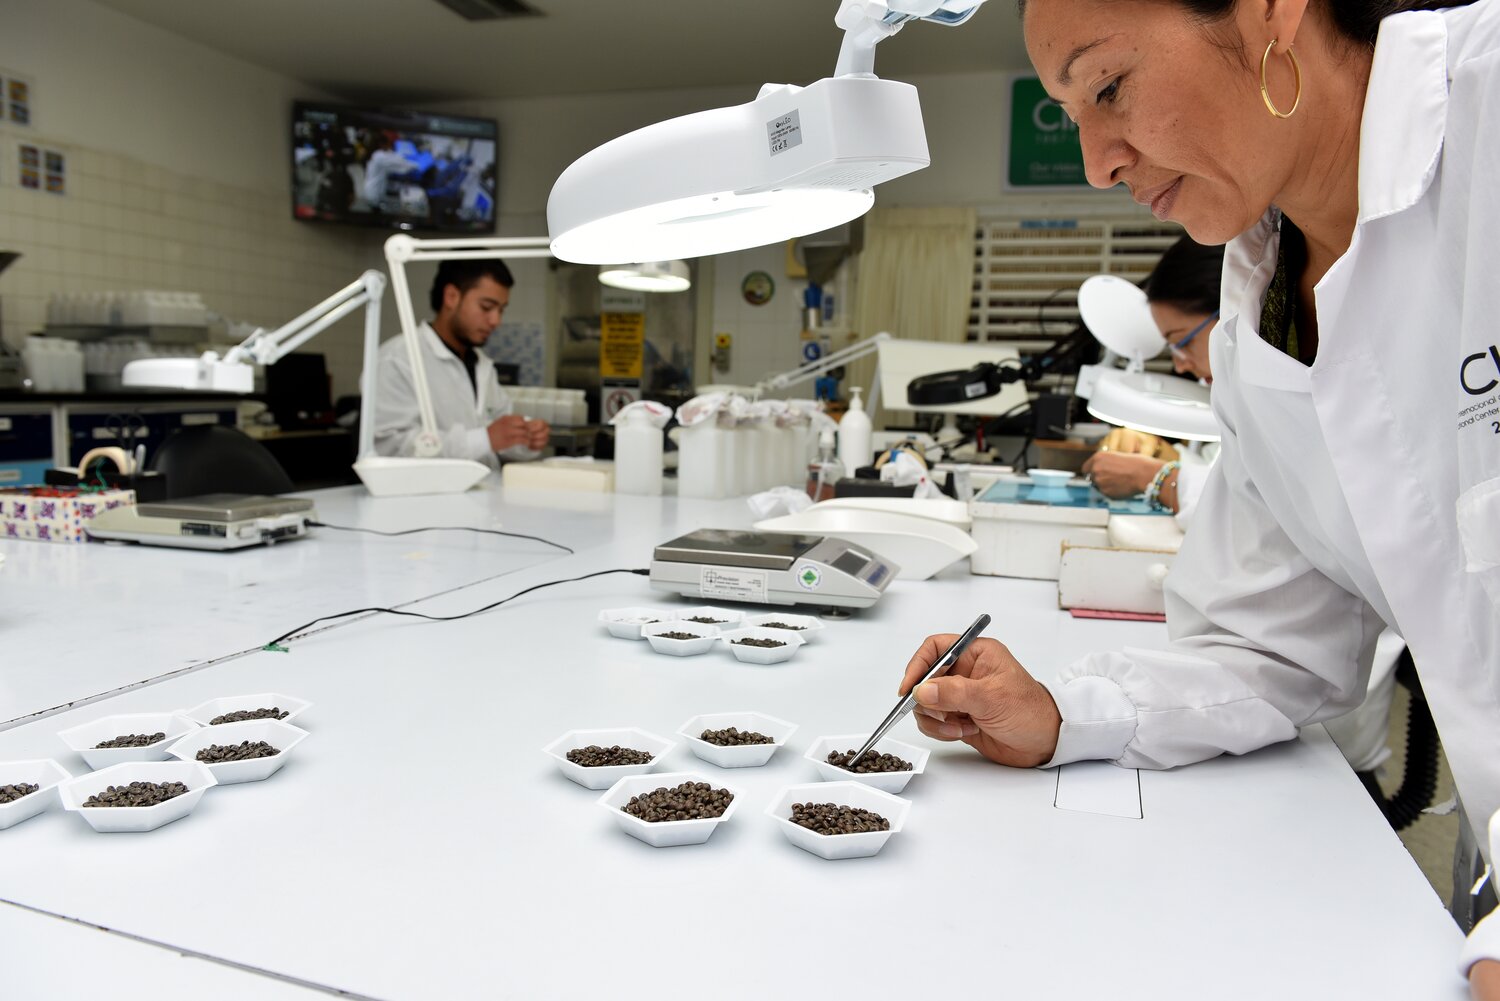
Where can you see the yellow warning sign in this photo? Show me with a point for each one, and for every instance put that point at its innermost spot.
(622, 339)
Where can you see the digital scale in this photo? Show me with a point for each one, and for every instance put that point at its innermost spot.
(770, 568)
(213, 521)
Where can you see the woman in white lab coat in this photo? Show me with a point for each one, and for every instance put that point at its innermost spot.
(1349, 161)
(1183, 293)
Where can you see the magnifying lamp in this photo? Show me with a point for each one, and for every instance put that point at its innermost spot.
(794, 161)
(656, 276)
(1118, 315)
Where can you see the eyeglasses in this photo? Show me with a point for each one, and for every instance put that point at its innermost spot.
(1178, 347)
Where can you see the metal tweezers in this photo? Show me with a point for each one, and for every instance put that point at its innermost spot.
(908, 701)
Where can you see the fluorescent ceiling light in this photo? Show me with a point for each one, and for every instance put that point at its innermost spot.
(794, 161)
(658, 276)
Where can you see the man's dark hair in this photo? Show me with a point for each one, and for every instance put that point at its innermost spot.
(465, 275)
(1187, 276)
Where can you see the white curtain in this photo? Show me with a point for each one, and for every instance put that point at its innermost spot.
(915, 279)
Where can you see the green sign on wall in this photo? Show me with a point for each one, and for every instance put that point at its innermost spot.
(1044, 149)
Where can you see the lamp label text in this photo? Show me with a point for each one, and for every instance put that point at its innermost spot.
(784, 132)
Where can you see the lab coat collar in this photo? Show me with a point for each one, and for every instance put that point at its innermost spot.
(1406, 110)
(436, 347)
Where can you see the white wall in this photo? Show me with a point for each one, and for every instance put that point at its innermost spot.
(178, 178)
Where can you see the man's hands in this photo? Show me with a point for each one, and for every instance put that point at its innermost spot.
(987, 700)
(1118, 474)
(513, 429)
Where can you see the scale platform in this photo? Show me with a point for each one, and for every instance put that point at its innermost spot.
(771, 568)
(212, 521)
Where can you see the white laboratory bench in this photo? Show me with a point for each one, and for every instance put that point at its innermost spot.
(420, 845)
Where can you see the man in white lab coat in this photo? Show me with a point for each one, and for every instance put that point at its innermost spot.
(473, 411)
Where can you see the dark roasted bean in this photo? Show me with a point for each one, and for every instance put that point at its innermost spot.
(676, 635)
(706, 620)
(137, 794)
(9, 794)
(594, 756)
(781, 625)
(831, 818)
(688, 801)
(131, 740)
(275, 712)
(734, 737)
(243, 751)
(764, 644)
(870, 763)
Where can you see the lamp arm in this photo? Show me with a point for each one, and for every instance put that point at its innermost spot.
(814, 369)
(267, 347)
(867, 23)
(400, 249)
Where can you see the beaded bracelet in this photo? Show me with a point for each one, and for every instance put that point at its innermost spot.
(1153, 492)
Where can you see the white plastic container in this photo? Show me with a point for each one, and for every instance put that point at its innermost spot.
(204, 713)
(736, 755)
(626, 623)
(855, 430)
(667, 833)
(789, 641)
(85, 736)
(282, 736)
(46, 775)
(638, 448)
(703, 639)
(891, 782)
(604, 776)
(852, 794)
(110, 819)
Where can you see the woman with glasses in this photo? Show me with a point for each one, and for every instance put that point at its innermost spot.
(1345, 151)
(1183, 293)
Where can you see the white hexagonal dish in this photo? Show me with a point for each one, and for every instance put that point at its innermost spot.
(282, 736)
(604, 776)
(854, 794)
(737, 755)
(111, 819)
(666, 833)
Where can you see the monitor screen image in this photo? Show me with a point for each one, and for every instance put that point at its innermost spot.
(393, 169)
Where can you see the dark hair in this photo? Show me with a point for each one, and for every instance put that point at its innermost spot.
(1356, 20)
(1187, 277)
(465, 274)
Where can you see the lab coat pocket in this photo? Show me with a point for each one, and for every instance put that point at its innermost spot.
(1479, 533)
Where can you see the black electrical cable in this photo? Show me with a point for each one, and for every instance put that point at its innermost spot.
(275, 644)
(1419, 778)
(438, 528)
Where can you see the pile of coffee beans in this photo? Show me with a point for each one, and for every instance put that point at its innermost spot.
(131, 740)
(245, 750)
(594, 756)
(689, 801)
(781, 625)
(9, 794)
(137, 794)
(707, 620)
(763, 644)
(870, 763)
(679, 636)
(244, 715)
(734, 737)
(830, 818)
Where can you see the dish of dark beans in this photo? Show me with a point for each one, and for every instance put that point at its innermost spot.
(871, 762)
(707, 620)
(782, 625)
(734, 737)
(244, 715)
(137, 794)
(9, 794)
(830, 818)
(679, 636)
(217, 754)
(763, 644)
(131, 740)
(594, 756)
(689, 801)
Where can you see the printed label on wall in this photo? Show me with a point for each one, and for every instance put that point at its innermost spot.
(622, 339)
(733, 585)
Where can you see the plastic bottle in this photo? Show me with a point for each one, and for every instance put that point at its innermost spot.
(855, 448)
(638, 448)
(824, 471)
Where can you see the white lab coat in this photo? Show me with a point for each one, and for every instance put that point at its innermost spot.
(1192, 477)
(378, 170)
(1354, 493)
(463, 418)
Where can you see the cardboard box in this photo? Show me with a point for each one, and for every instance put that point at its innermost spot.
(53, 514)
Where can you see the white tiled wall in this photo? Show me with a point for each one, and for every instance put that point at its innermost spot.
(124, 224)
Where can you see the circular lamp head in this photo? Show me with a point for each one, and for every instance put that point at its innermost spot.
(1119, 317)
(656, 276)
(1157, 404)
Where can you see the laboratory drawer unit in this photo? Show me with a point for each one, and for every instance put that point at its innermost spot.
(26, 445)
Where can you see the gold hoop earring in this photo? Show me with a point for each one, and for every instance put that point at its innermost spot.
(1265, 91)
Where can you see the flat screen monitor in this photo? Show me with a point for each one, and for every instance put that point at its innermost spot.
(393, 169)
